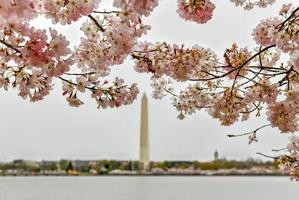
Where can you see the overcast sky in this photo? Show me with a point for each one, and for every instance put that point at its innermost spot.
(52, 130)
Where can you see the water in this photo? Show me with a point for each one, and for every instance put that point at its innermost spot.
(148, 188)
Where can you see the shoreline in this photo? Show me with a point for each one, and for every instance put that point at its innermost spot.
(152, 175)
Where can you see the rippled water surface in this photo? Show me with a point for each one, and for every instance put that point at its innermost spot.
(148, 188)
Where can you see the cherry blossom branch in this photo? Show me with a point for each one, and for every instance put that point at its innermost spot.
(236, 68)
(286, 78)
(281, 149)
(256, 107)
(250, 80)
(267, 68)
(285, 21)
(80, 74)
(96, 22)
(170, 92)
(107, 12)
(266, 156)
(72, 83)
(90, 88)
(235, 80)
(10, 46)
(258, 73)
(248, 133)
(276, 73)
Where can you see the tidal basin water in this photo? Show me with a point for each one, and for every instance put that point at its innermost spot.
(148, 188)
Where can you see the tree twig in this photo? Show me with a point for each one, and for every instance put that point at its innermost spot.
(261, 154)
(255, 131)
(96, 22)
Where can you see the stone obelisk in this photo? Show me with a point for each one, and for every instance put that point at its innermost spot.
(144, 137)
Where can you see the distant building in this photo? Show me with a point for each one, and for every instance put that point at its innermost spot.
(18, 162)
(70, 169)
(216, 155)
(144, 137)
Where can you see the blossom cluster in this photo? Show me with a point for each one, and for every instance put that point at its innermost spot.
(266, 30)
(140, 7)
(249, 4)
(161, 86)
(268, 58)
(104, 46)
(190, 100)
(175, 61)
(227, 107)
(199, 64)
(17, 10)
(199, 11)
(264, 91)
(244, 83)
(105, 94)
(285, 36)
(67, 11)
(234, 58)
(289, 164)
(108, 40)
(30, 58)
(224, 104)
(285, 114)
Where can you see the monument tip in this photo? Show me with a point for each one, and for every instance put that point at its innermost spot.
(144, 95)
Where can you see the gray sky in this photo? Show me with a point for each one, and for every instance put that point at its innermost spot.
(50, 129)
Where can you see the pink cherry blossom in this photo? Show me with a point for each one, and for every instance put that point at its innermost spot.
(82, 83)
(293, 147)
(262, 92)
(235, 58)
(294, 60)
(178, 62)
(99, 50)
(268, 58)
(284, 114)
(160, 87)
(290, 163)
(273, 32)
(250, 4)
(68, 11)
(199, 11)
(266, 32)
(74, 101)
(52, 57)
(285, 9)
(227, 107)
(290, 168)
(18, 10)
(4, 82)
(141, 7)
(34, 86)
(106, 95)
(190, 100)
(287, 39)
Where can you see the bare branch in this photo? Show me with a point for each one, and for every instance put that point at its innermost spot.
(255, 131)
(10, 46)
(96, 22)
(258, 153)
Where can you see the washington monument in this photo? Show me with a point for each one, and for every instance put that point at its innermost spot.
(144, 137)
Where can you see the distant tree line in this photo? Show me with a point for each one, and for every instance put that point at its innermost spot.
(105, 166)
